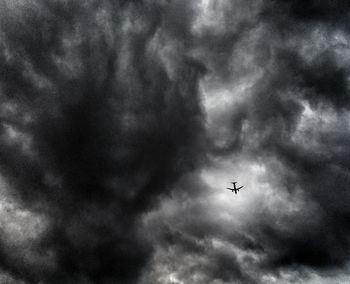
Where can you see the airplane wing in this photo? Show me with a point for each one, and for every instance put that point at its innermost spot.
(239, 187)
(230, 189)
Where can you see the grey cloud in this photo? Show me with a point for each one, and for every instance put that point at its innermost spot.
(268, 124)
(101, 130)
(102, 124)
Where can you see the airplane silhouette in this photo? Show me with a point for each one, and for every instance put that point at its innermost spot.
(234, 189)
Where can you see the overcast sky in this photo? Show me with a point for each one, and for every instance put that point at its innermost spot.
(123, 122)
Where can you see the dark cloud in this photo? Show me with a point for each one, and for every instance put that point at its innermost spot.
(296, 114)
(273, 114)
(103, 137)
(103, 123)
(316, 10)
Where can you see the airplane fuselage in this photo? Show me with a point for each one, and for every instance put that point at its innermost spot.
(234, 189)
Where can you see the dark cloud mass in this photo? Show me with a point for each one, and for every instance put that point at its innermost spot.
(96, 123)
(118, 116)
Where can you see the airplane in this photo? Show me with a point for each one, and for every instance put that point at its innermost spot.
(234, 189)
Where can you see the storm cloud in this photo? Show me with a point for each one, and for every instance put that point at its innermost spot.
(277, 118)
(122, 122)
(99, 116)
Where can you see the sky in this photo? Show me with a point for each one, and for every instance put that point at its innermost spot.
(123, 122)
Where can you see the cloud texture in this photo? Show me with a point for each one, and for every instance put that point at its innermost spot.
(123, 121)
(100, 115)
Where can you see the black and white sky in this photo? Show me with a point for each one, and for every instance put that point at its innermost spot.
(123, 122)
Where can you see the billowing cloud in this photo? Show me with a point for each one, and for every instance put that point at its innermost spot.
(99, 116)
(277, 120)
(122, 122)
